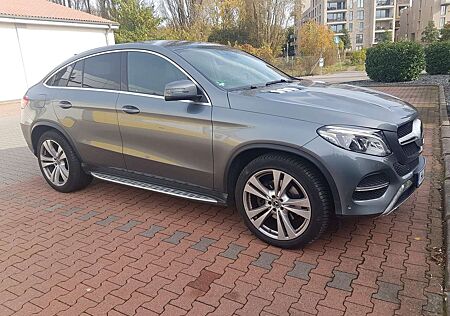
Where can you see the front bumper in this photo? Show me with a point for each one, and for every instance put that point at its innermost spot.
(347, 169)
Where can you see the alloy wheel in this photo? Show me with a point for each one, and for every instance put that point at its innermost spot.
(54, 162)
(277, 204)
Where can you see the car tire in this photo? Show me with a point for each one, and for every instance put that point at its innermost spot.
(263, 209)
(56, 154)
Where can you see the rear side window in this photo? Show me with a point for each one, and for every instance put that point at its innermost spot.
(61, 78)
(149, 73)
(77, 75)
(102, 72)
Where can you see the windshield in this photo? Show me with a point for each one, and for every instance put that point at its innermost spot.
(232, 69)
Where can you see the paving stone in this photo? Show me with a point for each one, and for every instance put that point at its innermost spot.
(342, 280)
(151, 232)
(203, 244)
(301, 270)
(128, 226)
(54, 207)
(108, 220)
(88, 215)
(435, 303)
(265, 260)
(388, 292)
(232, 251)
(71, 211)
(176, 237)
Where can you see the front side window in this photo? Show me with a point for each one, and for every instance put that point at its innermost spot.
(149, 73)
(102, 72)
(231, 69)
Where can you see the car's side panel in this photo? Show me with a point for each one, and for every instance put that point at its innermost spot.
(235, 129)
(92, 123)
(172, 140)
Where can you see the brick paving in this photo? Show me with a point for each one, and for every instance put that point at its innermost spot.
(114, 250)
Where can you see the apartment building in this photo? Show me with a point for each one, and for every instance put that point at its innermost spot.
(415, 18)
(365, 20)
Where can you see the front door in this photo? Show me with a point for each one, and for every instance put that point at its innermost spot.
(167, 139)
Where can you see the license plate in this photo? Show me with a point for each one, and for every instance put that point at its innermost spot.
(420, 177)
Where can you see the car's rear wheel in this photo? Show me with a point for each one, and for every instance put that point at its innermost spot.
(284, 200)
(59, 164)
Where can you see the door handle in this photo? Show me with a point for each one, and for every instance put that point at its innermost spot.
(65, 104)
(130, 109)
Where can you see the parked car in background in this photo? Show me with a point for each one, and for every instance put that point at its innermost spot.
(210, 123)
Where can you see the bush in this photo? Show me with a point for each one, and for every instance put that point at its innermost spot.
(437, 57)
(358, 57)
(394, 62)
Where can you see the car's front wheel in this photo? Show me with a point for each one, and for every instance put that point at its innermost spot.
(59, 164)
(284, 201)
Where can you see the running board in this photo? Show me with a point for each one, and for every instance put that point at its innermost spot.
(154, 187)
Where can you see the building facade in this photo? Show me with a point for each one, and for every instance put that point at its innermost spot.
(365, 20)
(415, 18)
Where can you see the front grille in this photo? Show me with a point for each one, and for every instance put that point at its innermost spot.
(405, 129)
(411, 149)
(403, 170)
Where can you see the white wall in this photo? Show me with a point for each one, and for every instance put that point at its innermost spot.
(28, 52)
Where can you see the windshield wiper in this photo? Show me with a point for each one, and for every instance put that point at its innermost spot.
(278, 81)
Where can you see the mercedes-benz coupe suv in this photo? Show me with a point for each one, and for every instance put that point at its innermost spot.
(211, 123)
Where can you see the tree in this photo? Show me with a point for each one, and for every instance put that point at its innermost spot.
(430, 34)
(445, 33)
(137, 20)
(385, 37)
(316, 40)
(345, 38)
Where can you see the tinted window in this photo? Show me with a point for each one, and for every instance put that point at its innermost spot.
(148, 73)
(61, 77)
(102, 72)
(76, 75)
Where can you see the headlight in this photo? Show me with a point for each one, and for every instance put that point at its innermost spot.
(358, 139)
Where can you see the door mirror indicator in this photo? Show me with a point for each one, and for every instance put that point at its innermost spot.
(181, 90)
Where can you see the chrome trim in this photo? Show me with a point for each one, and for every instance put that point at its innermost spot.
(392, 206)
(47, 78)
(415, 134)
(153, 187)
(372, 188)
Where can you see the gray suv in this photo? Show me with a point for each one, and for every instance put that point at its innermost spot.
(210, 123)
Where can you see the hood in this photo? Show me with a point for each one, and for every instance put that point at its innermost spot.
(326, 104)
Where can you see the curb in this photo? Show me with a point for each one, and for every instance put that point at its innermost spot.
(445, 140)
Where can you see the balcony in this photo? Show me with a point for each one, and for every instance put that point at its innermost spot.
(336, 17)
(336, 6)
(445, 2)
(385, 3)
(382, 26)
(384, 14)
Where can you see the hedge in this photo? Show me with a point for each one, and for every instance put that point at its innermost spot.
(437, 58)
(395, 62)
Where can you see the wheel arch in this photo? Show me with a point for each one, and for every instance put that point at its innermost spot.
(243, 155)
(41, 127)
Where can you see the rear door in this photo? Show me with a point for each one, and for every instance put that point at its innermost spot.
(84, 97)
(166, 139)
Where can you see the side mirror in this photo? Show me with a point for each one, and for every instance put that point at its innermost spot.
(181, 90)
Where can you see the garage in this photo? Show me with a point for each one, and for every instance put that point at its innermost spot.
(38, 35)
